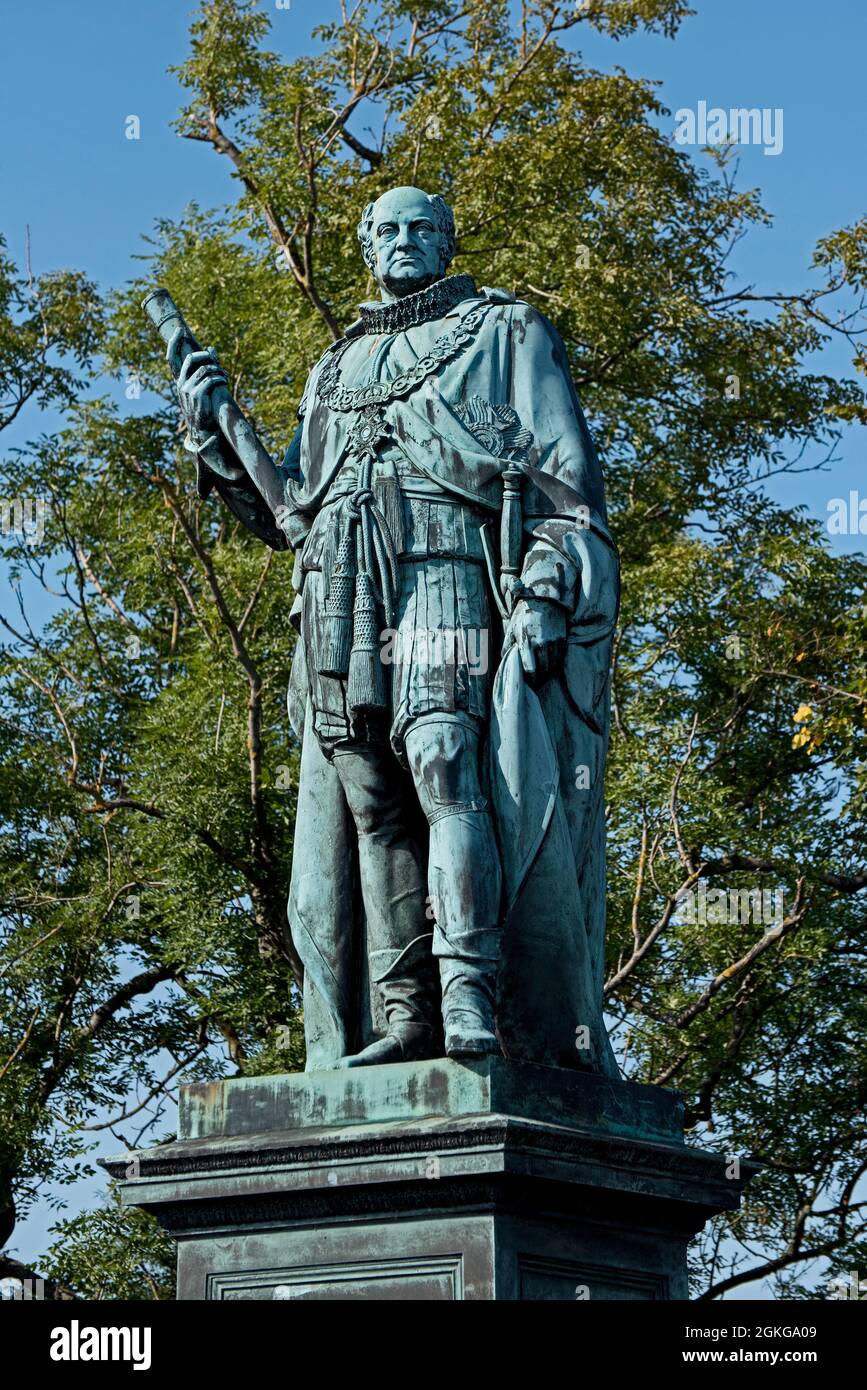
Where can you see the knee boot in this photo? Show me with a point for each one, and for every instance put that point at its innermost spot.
(469, 992)
(400, 963)
(464, 878)
(467, 935)
(407, 982)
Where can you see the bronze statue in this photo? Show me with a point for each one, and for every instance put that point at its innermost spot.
(456, 594)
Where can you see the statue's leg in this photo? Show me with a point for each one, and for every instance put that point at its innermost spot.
(464, 876)
(395, 899)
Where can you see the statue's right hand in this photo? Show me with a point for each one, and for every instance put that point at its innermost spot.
(200, 373)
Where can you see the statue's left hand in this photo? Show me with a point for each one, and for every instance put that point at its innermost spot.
(539, 628)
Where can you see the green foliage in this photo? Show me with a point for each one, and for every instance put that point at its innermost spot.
(49, 327)
(147, 774)
(112, 1252)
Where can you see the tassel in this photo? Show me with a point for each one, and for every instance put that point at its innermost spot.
(331, 545)
(365, 688)
(336, 636)
(389, 500)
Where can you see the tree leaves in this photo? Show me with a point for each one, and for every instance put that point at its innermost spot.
(146, 777)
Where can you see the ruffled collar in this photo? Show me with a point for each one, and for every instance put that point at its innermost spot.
(421, 307)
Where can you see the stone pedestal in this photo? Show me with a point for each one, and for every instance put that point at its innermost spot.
(436, 1180)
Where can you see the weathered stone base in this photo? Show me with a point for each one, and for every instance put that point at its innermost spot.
(438, 1180)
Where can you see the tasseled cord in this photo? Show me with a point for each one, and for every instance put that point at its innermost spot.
(389, 500)
(365, 686)
(350, 640)
(336, 639)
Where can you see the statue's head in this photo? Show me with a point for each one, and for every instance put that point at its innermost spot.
(407, 240)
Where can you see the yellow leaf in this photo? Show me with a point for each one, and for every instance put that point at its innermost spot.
(802, 714)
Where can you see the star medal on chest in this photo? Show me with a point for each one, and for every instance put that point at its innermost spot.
(369, 426)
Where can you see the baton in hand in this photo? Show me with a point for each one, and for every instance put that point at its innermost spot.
(167, 318)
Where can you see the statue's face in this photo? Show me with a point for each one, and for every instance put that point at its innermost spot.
(407, 245)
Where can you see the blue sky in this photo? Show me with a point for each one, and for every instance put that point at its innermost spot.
(70, 75)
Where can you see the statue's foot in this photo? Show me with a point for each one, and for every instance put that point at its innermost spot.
(413, 1043)
(468, 1008)
(468, 1035)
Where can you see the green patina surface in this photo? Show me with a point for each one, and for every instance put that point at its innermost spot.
(420, 1090)
(457, 594)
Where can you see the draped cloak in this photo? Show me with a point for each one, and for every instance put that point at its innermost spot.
(546, 747)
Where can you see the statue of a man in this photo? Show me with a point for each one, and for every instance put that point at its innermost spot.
(457, 589)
